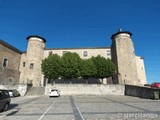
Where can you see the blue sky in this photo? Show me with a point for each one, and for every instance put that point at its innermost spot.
(85, 23)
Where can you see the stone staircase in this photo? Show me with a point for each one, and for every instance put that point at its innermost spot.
(36, 91)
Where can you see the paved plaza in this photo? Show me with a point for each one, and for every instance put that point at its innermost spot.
(82, 108)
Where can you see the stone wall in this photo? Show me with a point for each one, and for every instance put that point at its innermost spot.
(22, 88)
(105, 52)
(123, 57)
(86, 89)
(32, 59)
(11, 54)
(140, 91)
(141, 70)
(9, 76)
(9, 73)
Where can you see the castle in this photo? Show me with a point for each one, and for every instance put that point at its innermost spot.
(25, 67)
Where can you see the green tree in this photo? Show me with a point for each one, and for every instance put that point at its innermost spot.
(111, 68)
(105, 68)
(88, 69)
(70, 65)
(51, 66)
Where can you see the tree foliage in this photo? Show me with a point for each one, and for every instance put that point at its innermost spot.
(111, 68)
(88, 69)
(70, 65)
(105, 68)
(51, 66)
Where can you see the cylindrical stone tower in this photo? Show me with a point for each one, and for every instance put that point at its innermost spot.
(123, 57)
(35, 52)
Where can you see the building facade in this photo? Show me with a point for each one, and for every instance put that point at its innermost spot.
(129, 67)
(10, 58)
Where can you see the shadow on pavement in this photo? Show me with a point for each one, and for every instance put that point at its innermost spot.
(12, 106)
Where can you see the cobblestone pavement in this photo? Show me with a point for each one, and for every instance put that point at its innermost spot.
(82, 108)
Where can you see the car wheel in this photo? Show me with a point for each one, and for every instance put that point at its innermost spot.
(6, 106)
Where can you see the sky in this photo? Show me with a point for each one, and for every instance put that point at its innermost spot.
(85, 23)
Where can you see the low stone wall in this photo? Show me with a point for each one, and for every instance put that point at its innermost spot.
(140, 91)
(22, 88)
(86, 89)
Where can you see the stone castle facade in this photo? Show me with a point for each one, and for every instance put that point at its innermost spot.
(25, 67)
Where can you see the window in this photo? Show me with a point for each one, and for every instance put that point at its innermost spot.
(85, 53)
(24, 64)
(31, 66)
(5, 62)
(108, 52)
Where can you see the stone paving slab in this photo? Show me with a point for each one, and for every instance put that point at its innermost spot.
(82, 108)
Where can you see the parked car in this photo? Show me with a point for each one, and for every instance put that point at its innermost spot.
(155, 85)
(13, 93)
(4, 100)
(54, 93)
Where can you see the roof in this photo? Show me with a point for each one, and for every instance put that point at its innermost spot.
(36, 37)
(77, 48)
(10, 47)
(120, 33)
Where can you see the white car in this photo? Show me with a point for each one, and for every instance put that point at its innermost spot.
(54, 93)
